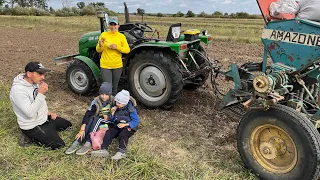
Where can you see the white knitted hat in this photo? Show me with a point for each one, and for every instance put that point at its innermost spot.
(123, 97)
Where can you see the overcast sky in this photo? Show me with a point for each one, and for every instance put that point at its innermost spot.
(173, 6)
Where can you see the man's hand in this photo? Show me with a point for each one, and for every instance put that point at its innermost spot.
(43, 88)
(122, 125)
(101, 42)
(53, 115)
(113, 46)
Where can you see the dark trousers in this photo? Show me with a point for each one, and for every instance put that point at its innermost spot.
(92, 126)
(123, 135)
(46, 134)
(112, 76)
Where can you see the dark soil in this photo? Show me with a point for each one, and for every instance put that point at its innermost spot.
(194, 118)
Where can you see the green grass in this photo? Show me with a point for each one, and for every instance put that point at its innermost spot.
(147, 158)
(234, 30)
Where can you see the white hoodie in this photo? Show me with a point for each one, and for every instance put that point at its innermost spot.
(31, 111)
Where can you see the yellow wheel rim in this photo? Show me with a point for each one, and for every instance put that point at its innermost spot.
(273, 148)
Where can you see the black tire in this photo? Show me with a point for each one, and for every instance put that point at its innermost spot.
(202, 63)
(155, 79)
(80, 78)
(279, 143)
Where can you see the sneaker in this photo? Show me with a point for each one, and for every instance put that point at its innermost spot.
(119, 155)
(84, 149)
(74, 146)
(100, 153)
(24, 140)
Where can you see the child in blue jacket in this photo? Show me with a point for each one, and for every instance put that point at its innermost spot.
(124, 116)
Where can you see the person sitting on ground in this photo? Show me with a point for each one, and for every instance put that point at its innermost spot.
(30, 106)
(126, 120)
(98, 112)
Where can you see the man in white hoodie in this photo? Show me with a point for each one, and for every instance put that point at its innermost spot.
(30, 106)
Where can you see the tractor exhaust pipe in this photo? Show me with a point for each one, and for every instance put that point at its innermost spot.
(101, 15)
(126, 13)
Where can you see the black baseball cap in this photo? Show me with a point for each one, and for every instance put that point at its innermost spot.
(35, 67)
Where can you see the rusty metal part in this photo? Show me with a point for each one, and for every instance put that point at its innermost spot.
(273, 148)
(248, 103)
(302, 83)
(275, 98)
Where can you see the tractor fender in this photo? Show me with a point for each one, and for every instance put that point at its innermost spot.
(139, 48)
(94, 68)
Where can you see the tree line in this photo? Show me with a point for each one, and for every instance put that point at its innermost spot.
(40, 8)
(216, 14)
(41, 4)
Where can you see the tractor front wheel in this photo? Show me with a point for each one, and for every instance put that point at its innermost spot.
(80, 78)
(155, 79)
(279, 143)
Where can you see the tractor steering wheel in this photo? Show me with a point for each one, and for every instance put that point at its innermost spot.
(139, 29)
(144, 27)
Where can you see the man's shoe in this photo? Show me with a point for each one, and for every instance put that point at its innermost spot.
(84, 149)
(100, 153)
(119, 155)
(74, 146)
(24, 140)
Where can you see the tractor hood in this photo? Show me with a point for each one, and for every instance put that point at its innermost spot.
(90, 36)
(88, 41)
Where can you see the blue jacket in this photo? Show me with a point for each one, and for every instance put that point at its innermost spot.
(128, 114)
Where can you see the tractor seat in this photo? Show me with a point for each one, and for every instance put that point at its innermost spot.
(174, 32)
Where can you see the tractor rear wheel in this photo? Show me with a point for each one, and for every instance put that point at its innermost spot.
(155, 79)
(279, 143)
(80, 78)
(201, 79)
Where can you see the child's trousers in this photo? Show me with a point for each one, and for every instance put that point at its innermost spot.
(123, 135)
(92, 126)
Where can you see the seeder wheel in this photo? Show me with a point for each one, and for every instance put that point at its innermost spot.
(279, 143)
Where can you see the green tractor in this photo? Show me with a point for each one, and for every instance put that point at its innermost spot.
(156, 70)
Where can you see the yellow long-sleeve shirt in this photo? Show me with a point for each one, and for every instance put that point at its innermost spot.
(112, 58)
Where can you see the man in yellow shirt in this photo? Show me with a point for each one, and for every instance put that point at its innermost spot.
(112, 44)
